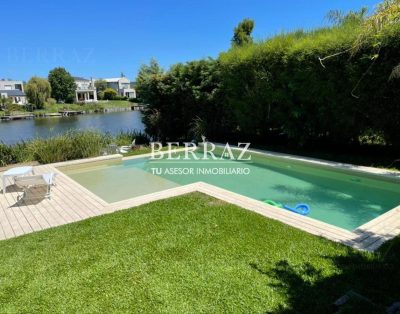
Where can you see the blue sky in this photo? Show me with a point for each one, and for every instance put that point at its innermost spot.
(97, 38)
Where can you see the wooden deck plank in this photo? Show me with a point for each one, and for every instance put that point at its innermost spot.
(70, 202)
(25, 211)
(38, 214)
(5, 223)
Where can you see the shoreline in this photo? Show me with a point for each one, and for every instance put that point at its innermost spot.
(68, 113)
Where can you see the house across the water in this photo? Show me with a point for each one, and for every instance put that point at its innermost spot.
(13, 90)
(122, 86)
(85, 90)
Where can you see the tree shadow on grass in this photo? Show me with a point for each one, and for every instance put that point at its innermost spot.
(371, 282)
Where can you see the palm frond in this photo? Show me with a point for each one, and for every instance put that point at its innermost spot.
(395, 73)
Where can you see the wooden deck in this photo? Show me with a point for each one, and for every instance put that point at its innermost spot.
(72, 202)
(17, 117)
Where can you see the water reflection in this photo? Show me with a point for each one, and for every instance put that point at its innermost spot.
(14, 131)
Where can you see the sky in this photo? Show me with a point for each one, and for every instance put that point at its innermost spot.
(98, 38)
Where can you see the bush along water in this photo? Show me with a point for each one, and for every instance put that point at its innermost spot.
(68, 146)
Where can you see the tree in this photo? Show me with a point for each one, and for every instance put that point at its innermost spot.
(62, 85)
(38, 90)
(183, 102)
(109, 94)
(242, 33)
(147, 78)
(5, 102)
(101, 86)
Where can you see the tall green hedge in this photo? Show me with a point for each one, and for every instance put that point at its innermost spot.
(281, 85)
(278, 88)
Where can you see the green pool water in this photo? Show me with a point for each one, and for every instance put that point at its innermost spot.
(342, 198)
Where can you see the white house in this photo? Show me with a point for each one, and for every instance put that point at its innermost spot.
(14, 90)
(85, 90)
(122, 86)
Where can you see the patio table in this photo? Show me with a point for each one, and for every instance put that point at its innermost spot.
(16, 172)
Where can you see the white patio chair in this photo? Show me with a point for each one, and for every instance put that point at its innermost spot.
(27, 182)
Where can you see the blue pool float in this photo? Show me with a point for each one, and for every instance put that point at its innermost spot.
(301, 209)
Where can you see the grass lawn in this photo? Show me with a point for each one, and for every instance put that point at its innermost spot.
(54, 108)
(188, 254)
(115, 104)
(89, 106)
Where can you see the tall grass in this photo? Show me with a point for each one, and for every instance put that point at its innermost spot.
(68, 146)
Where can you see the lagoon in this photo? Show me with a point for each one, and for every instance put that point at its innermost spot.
(12, 132)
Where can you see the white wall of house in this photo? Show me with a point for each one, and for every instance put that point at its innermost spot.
(11, 84)
(14, 90)
(85, 91)
(17, 100)
(122, 86)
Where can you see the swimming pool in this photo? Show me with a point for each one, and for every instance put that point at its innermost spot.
(343, 198)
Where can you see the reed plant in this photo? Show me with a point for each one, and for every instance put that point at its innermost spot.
(73, 144)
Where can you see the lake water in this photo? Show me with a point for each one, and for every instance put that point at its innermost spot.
(12, 132)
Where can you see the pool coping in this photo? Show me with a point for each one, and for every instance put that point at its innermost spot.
(369, 236)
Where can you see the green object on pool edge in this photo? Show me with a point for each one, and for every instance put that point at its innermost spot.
(345, 199)
(273, 203)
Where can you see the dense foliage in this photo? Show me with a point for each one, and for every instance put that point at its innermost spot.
(183, 101)
(101, 86)
(109, 94)
(5, 102)
(38, 90)
(68, 146)
(304, 87)
(62, 85)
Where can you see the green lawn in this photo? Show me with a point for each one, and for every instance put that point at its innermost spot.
(54, 108)
(86, 107)
(115, 104)
(188, 254)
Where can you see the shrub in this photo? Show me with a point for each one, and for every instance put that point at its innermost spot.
(10, 107)
(68, 146)
(126, 138)
(109, 94)
(5, 102)
(51, 101)
(73, 144)
(6, 155)
(118, 97)
(100, 95)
